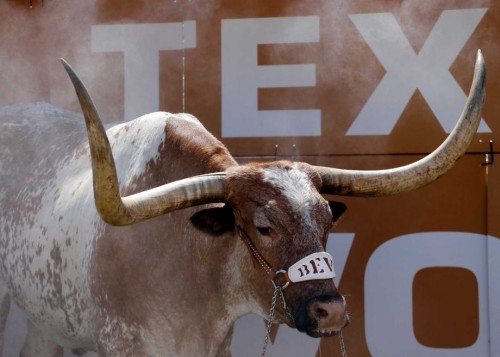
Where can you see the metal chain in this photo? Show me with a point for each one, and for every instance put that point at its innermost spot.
(283, 302)
(277, 289)
(342, 345)
(343, 351)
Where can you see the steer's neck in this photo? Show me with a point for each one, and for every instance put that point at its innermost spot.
(184, 289)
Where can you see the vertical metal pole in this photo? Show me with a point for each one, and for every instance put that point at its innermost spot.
(488, 161)
(183, 70)
(487, 228)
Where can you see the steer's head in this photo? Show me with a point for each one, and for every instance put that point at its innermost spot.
(277, 207)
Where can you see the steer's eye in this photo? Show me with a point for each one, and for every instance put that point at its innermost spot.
(265, 231)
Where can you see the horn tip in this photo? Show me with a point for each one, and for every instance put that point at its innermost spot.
(479, 56)
(64, 63)
(480, 60)
(71, 72)
(480, 67)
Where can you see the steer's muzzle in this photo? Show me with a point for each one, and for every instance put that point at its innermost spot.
(322, 316)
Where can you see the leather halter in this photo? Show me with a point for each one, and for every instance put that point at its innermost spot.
(280, 277)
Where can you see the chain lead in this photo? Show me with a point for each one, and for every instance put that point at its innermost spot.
(342, 345)
(277, 289)
(283, 302)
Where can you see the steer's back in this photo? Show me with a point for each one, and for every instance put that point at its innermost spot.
(32, 141)
(47, 216)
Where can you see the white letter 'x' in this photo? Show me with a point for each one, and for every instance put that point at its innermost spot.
(406, 71)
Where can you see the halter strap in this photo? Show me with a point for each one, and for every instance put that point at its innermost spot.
(274, 276)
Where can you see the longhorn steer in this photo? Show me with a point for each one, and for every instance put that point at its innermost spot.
(172, 284)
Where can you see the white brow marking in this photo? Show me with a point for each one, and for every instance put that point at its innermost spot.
(295, 185)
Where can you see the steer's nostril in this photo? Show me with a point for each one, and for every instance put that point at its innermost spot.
(319, 311)
(327, 314)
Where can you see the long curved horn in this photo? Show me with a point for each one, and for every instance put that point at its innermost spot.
(117, 210)
(372, 183)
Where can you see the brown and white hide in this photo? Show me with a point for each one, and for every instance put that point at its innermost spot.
(121, 291)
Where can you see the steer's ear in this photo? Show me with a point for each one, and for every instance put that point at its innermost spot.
(214, 221)
(338, 210)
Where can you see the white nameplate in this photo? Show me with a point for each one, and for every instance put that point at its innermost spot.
(313, 267)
